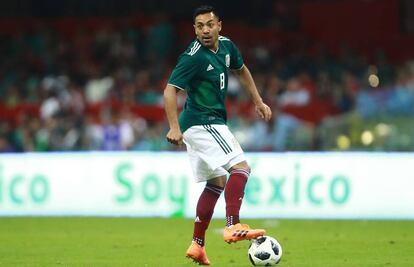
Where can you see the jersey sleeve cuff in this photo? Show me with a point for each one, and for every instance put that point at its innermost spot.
(176, 86)
(239, 68)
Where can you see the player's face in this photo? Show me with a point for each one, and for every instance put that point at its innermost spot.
(207, 28)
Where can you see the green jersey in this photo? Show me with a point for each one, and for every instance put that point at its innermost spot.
(204, 73)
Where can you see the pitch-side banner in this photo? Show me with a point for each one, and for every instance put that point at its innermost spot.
(282, 185)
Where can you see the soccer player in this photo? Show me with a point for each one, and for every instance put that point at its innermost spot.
(202, 71)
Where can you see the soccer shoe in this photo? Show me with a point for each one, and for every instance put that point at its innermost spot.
(240, 232)
(197, 253)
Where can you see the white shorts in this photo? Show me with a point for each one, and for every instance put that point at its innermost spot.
(212, 150)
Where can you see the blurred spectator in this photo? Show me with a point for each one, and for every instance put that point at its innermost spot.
(50, 106)
(96, 90)
(5, 145)
(295, 94)
(159, 40)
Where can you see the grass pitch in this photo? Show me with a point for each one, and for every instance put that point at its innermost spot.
(117, 242)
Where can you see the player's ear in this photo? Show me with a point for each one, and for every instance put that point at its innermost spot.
(219, 25)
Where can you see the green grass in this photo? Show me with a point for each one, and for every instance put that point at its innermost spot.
(141, 242)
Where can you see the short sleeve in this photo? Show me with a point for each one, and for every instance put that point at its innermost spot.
(184, 71)
(236, 59)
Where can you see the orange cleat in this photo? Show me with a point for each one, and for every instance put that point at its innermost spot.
(240, 232)
(197, 253)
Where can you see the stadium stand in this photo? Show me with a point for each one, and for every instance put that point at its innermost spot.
(72, 83)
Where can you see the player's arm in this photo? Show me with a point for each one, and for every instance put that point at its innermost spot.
(247, 82)
(174, 135)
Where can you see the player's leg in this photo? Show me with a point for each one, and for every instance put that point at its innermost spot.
(205, 207)
(204, 213)
(233, 194)
(234, 191)
(198, 141)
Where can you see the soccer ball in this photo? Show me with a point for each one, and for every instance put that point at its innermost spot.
(265, 251)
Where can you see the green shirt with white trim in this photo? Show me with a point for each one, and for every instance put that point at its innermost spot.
(203, 74)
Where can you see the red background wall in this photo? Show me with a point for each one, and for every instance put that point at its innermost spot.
(362, 24)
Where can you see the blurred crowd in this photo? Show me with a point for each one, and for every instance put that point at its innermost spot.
(102, 89)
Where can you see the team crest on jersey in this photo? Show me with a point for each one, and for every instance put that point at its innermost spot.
(227, 60)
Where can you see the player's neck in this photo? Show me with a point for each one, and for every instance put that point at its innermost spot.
(215, 48)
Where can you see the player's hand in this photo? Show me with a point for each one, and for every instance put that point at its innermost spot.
(174, 136)
(264, 111)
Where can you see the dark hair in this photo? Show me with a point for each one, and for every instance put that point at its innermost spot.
(203, 10)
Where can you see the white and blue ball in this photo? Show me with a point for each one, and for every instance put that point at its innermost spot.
(265, 251)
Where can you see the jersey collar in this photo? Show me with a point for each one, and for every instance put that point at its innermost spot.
(218, 46)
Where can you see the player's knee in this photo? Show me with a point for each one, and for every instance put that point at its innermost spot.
(241, 166)
(219, 181)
